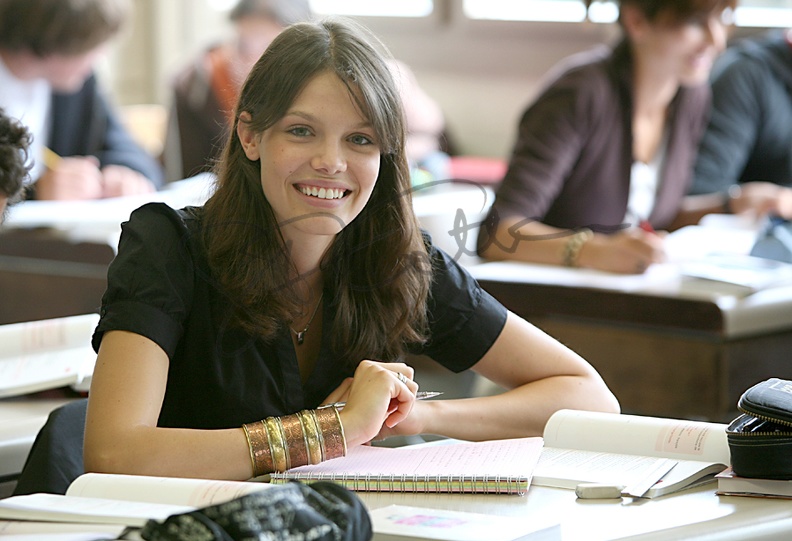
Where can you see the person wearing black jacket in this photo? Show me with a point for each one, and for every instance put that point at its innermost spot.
(744, 161)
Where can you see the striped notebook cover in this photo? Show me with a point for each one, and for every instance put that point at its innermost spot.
(497, 466)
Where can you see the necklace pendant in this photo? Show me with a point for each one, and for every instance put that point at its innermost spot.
(300, 337)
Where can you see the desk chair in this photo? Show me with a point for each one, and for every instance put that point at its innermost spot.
(56, 457)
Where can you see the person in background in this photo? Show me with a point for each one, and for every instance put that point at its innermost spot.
(14, 166)
(80, 148)
(744, 163)
(303, 281)
(604, 155)
(428, 160)
(205, 92)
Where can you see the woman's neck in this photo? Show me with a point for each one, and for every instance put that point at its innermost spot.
(306, 252)
(653, 90)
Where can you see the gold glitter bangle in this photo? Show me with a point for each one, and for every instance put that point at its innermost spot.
(250, 449)
(332, 431)
(340, 429)
(295, 440)
(574, 244)
(312, 436)
(284, 442)
(277, 445)
(260, 449)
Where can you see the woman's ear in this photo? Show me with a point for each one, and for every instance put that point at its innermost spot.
(247, 138)
(634, 22)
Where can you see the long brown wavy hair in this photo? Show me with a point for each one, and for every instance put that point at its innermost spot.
(376, 273)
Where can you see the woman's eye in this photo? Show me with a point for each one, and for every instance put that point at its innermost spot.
(361, 140)
(698, 21)
(300, 131)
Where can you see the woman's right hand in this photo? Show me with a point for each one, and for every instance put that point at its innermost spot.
(761, 198)
(73, 178)
(375, 396)
(630, 251)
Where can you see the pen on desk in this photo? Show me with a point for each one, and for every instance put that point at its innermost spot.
(420, 395)
(51, 158)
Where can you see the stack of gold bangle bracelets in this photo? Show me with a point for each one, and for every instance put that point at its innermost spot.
(309, 437)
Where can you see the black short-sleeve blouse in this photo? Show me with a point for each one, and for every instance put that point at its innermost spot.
(159, 286)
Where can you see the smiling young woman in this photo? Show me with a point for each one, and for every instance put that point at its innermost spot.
(303, 281)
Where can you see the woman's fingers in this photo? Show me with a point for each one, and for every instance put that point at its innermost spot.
(341, 393)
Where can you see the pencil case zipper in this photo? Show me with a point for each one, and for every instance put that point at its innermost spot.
(764, 428)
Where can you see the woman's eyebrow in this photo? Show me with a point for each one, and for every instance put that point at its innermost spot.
(312, 118)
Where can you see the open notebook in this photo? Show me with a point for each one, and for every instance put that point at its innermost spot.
(499, 466)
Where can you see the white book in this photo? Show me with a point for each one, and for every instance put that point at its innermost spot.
(130, 500)
(753, 273)
(46, 354)
(648, 456)
(730, 484)
(406, 523)
(58, 531)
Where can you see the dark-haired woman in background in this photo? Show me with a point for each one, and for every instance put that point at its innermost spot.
(605, 154)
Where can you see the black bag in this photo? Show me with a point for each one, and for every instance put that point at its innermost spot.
(321, 511)
(760, 440)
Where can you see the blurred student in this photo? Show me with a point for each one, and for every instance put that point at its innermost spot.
(425, 128)
(605, 153)
(14, 144)
(205, 92)
(47, 54)
(745, 157)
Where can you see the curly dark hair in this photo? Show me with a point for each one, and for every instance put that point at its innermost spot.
(14, 142)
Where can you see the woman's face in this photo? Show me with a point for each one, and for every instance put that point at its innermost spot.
(254, 34)
(319, 163)
(68, 72)
(687, 49)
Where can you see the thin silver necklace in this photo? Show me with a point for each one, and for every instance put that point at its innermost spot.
(300, 335)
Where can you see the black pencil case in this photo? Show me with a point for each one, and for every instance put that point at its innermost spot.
(760, 438)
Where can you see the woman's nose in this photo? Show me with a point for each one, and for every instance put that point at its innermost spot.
(329, 158)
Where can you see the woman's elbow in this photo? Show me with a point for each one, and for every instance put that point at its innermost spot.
(600, 397)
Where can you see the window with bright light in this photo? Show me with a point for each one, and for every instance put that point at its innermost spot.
(749, 13)
(374, 8)
(767, 13)
(527, 10)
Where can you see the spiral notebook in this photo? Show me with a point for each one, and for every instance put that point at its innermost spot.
(497, 466)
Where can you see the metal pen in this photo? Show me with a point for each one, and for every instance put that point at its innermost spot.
(420, 395)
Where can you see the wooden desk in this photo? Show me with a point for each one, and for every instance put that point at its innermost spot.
(693, 514)
(54, 254)
(45, 275)
(667, 346)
